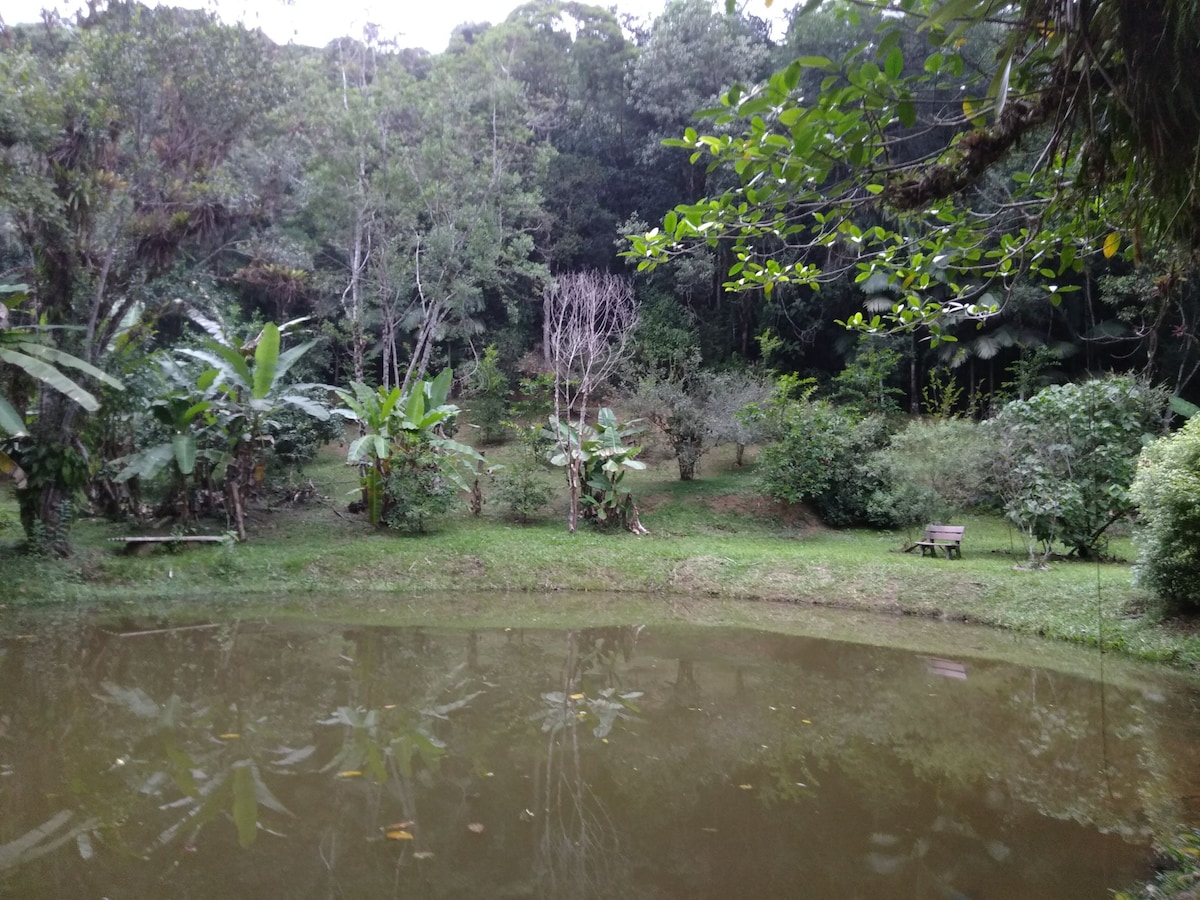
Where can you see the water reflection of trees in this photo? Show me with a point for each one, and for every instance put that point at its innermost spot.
(598, 764)
(578, 848)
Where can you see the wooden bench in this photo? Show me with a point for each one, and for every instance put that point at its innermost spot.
(147, 542)
(941, 537)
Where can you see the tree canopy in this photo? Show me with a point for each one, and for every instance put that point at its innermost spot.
(948, 165)
(958, 150)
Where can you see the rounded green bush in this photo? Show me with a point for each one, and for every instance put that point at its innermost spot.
(1167, 488)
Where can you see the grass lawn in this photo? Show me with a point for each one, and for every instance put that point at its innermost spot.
(715, 545)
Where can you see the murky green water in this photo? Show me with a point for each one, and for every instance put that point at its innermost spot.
(257, 760)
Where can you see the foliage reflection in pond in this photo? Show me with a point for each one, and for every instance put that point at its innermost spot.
(610, 762)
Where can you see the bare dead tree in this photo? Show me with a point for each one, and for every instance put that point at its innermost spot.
(589, 319)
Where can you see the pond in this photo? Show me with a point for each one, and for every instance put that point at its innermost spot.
(283, 759)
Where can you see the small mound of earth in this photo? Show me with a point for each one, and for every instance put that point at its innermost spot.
(794, 515)
(470, 566)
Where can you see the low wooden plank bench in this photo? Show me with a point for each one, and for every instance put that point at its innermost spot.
(146, 542)
(941, 537)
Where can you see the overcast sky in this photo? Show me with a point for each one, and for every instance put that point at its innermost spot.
(414, 23)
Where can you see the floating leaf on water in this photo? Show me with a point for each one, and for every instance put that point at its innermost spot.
(291, 757)
(885, 865)
(263, 794)
(423, 854)
(746, 787)
(475, 828)
(577, 696)
(134, 700)
(998, 851)
(709, 830)
(390, 706)
(806, 721)
(231, 736)
(350, 773)
(407, 823)
(399, 834)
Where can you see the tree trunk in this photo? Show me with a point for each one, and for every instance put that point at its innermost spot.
(46, 518)
(235, 510)
(914, 384)
(629, 514)
(687, 464)
(54, 478)
(238, 476)
(573, 494)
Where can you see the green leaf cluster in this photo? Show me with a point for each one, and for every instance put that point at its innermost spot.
(407, 432)
(601, 457)
(1167, 491)
(1066, 457)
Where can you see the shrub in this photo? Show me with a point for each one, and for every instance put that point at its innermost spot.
(297, 437)
(679, 405)
(520, 484)
(666, 337)
(535, 399)
(488, 389)
(521, 487)
(732, 393)
(821, 455)
(865, 383)
(1167, 488)
(1064, 458)
(935, 470)
(415, 494)
(697, 410)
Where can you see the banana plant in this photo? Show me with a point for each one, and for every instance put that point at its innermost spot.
(185, 409)
(372, 450)
(597, 459)
(25, 349)
(400, 430)
(250, 384)
(182, 410)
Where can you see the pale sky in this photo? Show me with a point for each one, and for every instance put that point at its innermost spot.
(414, 23)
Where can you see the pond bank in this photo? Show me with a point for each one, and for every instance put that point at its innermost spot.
(727, 568)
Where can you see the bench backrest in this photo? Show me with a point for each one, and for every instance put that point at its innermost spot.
(944, 532)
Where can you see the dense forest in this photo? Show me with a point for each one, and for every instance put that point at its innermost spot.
(168, 183)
